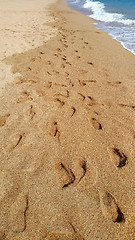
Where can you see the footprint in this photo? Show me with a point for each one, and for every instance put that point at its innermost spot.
(49, 85)
(62, 236)
(52, 128)
(29, 68)
(3, 119)
(90, 80)
(90, 63)
(79, 169)
(90, 101)
(82, 71)
(60, 85)
(2, 235)
(56, 72)
(67, 74)
(65, 45)
(59, 102)
(110, 208)
(96, 124)
(24, 97)
(68, 63)
(62, 95)
(124, 105)
(48, 62)
(30, 113)
(49, 73)
(74, 110)
(96, 113)
(18, 214)
(25, 81)
(62, 66)
(81, 96)
(41, 52)
(32, 59)
(66, 176)
(119, 158)
(64, 58)
(114, 83)
(59, 50)
(71, 84)
(82, 83)
(14, 141)
(18, 141)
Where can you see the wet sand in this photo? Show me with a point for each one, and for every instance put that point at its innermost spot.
(67, 136)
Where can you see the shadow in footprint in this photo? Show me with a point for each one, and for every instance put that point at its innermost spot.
(25, 96)
(15, 140)
(129, 106)
(66, 176)
(62, 236)
(79, 169)
(82, 83)
(90, 63)
(114, 83)
(3, 119)
(59, 102)
(53, 130)
(81, 96)
(62, 95)
(119, 158)
(96, 124)
(29, 115)
(109, 207)
(74, 110)
(21, 81)
(90, 101)
(49, 85)
(18, 214)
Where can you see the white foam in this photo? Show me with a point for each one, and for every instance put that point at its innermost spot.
(116, 25)
(120, 28)
(125, 44)
(100, 14)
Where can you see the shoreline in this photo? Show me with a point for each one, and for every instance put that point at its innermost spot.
(86, 11)
(67, 136)
(118, 41)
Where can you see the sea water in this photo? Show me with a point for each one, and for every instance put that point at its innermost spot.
(117, 17)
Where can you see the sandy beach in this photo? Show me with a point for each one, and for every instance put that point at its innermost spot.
(24, 26)
(67, 127)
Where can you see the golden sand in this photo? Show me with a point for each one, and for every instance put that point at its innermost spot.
(67, 137)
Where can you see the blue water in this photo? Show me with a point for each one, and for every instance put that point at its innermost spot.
(125, 7)
(117, 17)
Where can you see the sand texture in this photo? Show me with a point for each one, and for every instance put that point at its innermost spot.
(24, 25)
(67, 127)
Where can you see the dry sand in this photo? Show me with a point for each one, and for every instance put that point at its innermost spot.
(68, 137)
(23, 26)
